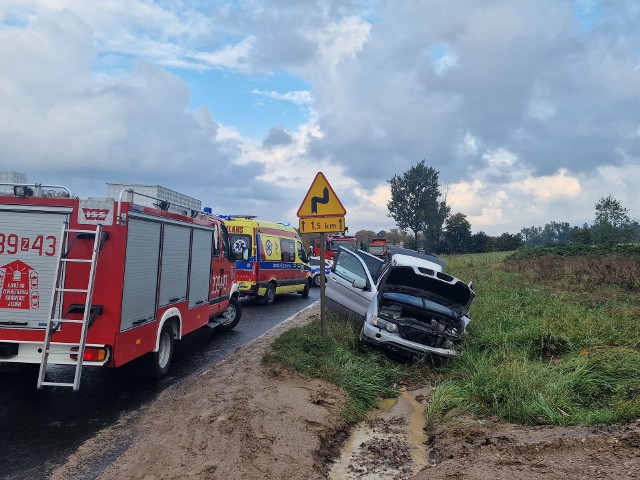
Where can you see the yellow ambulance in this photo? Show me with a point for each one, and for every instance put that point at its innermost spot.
(270, 258)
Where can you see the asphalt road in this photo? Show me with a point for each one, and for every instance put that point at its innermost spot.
(39, 429)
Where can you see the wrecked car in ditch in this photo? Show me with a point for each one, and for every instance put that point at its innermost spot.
(407, 305)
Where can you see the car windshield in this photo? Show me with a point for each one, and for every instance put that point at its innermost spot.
(348, 244)
(417, 301)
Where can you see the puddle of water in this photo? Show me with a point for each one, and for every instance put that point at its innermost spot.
(397, 430)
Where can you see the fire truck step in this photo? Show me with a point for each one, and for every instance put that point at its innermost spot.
(76, 260)
(66, 320)
(75, 290)
(57, 384)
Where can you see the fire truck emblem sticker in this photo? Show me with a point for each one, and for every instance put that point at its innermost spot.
(268, 247)
(19, 286)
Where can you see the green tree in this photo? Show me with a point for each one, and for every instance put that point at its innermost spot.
(508, 241)
(581, 235)
(364, 236)
(417, 203)
(457, 234)
(481, 243)
(395, 236)
(612, 224)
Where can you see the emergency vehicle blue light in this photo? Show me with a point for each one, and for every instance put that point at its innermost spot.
(207, 210)
(286, 224)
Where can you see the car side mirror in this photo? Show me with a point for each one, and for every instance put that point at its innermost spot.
(359, 283)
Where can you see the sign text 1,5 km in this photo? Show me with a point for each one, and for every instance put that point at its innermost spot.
(322, 224)
(321, 201)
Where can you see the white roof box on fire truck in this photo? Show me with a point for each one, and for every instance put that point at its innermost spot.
(150, 194)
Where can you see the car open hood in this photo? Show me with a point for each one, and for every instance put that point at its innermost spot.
(427, 283)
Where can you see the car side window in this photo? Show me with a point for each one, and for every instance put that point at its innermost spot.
(349, 268)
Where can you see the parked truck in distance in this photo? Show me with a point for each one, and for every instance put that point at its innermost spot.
(379, 247)
(333, 243)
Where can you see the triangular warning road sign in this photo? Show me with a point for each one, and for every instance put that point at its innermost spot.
(321, 200)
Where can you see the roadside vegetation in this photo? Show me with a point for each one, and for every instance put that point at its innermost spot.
(554, 339)
(365, 375)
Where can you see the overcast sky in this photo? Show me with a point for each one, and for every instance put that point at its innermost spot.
(529, 109)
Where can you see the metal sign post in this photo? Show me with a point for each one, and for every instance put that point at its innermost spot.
(323, 276)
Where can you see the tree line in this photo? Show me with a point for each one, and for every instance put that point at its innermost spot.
(419, 207)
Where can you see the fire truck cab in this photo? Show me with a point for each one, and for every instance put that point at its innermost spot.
(333, 243)
(106, 282)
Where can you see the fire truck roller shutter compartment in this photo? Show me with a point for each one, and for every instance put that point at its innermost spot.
(29, 243)
(175, 264)
(200, 267)
(141, 273)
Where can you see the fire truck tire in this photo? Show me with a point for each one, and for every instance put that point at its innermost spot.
(269, 294)
(305, 291)
(231, 316)
(160, 361)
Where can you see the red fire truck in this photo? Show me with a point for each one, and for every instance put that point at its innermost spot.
(333, 242)
(105, 282)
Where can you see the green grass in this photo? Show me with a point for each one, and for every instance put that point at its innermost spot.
(338, 357)
(537, 354)
(538, 351)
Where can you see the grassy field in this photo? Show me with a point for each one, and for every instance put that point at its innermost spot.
(554, 339)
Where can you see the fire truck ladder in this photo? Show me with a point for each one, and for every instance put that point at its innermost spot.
(54, 322)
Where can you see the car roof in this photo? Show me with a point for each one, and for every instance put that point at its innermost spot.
(413, 253)
(401, 259)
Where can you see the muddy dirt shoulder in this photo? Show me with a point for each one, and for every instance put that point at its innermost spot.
(236, 420)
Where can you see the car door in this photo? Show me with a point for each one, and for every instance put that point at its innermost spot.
(352, 283)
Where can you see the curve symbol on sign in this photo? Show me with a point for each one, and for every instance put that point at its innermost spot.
(324, 199)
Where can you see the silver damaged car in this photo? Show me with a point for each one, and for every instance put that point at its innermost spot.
(408, 306)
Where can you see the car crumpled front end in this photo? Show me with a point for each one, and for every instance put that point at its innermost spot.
(418, 312)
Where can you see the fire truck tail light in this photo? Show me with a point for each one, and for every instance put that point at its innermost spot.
(91, 354)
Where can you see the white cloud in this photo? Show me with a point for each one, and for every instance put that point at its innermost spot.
(500, 159)
(233, 57)
(300, 97)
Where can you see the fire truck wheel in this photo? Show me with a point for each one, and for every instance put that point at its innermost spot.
(269, 295)
(161, 360)
(231, 316)
(305, 292)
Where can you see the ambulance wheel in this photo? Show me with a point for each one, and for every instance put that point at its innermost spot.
(231, 316)
(269, 294)
(305, 292)
(161, 360)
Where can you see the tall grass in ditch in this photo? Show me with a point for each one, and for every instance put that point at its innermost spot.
(537, 355)
(538, 351)
(338, 357)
